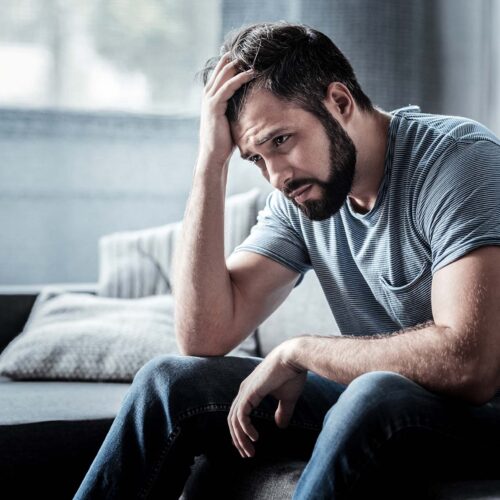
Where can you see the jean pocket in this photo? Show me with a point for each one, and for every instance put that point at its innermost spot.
(409, 304)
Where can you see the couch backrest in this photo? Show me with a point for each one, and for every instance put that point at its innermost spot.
(305, 311)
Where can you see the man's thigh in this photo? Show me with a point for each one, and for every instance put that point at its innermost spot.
(203, 389)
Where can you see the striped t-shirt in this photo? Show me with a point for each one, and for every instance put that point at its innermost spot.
(438, 200)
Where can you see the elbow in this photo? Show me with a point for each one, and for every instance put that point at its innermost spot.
(199, 351)
(193, 342)
(199, 334)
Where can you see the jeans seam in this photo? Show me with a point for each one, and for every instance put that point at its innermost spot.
(210, 407)
(255, 413)
(144, 492)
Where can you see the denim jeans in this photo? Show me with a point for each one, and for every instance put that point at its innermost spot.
(376, 434)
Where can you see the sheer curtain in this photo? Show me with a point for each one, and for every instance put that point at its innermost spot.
(440, 54)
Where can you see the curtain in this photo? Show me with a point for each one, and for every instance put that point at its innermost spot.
(440, 54)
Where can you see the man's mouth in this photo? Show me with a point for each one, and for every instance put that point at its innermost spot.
(300, 194)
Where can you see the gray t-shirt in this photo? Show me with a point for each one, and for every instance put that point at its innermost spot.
(438, 200)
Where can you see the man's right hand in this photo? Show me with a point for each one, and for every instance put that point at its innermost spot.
(216, 144)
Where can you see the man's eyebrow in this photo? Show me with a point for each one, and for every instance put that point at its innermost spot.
(269, 135)
(262, 140)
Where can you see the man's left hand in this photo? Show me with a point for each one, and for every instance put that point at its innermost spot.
(274, 376)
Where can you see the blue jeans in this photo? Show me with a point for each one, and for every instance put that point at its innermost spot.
(375, 434)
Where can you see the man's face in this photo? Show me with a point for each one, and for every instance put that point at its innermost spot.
(310, 159)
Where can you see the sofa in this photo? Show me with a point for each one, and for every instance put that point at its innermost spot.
(50, 430)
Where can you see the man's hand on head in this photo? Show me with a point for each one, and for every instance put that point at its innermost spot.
(216, 144)
(274, 377)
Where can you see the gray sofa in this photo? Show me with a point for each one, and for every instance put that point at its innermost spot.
(50, 431)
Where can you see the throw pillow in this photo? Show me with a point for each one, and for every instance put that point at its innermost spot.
(139, 263)
(79, 336)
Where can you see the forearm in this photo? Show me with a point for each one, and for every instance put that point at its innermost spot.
(428, 354)
(202, 284)
(203, 289)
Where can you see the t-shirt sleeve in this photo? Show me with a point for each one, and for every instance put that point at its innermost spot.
(458, 208)
(275, 236)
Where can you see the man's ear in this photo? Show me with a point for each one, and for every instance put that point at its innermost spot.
(339, 101)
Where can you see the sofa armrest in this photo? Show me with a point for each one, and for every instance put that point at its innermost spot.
(16, 303)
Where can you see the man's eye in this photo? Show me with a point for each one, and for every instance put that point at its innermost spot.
(280, 139)
(254, 158)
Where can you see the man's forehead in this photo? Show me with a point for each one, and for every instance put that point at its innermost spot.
(262, 110)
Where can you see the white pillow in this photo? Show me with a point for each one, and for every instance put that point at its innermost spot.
(139, 263)
(79, 336)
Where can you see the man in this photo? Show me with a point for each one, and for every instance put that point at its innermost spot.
(399, 216)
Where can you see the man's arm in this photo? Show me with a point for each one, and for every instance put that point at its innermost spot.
(219, 304)
(457, 355)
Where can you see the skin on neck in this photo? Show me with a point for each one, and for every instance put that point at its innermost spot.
(368, 131)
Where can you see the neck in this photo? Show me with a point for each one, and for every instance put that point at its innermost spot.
(370, 139)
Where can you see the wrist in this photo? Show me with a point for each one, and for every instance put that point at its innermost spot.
(211, 161)
(292, 353)
(210, 173)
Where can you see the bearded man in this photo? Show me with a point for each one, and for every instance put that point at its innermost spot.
(399, 216)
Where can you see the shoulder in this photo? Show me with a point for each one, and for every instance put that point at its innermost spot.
(438, 154)
(426, 138)
(464, 161)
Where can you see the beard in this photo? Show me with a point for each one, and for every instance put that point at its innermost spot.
(334, 191)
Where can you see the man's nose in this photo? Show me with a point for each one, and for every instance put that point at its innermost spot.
(280, 172)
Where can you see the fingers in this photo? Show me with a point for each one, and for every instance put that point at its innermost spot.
(227, 78)
(222, 62)
(240, 440)
(226, 71)
(233, 84)
(284, 413)
(247, 426)
(244, 444)
(241, 428)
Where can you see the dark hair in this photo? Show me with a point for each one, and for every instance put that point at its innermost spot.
(293, 61)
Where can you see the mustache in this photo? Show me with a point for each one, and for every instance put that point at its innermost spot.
(292, 185)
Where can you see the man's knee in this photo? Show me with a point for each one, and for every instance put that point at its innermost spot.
(374, 395)
(162, 370)
(190, 375)
(380, 383)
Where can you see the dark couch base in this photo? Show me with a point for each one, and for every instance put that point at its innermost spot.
(50, 433)
(48, 459)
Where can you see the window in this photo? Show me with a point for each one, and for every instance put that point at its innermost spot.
(106, 54)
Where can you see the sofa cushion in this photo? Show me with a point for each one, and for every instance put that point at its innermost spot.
(277, 479)
(32, 402)
(253, 480)
(79, 336)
